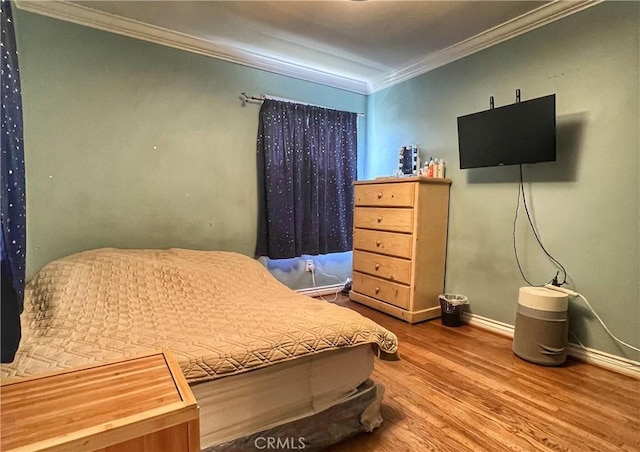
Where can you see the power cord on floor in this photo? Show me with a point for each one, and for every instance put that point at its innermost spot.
(330, 276)
(605, 326)
(576, 294)
(313, 279)
(585, 348)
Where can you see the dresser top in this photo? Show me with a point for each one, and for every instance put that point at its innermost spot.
(395, 180)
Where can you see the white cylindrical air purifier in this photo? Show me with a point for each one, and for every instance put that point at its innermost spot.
(542, 328)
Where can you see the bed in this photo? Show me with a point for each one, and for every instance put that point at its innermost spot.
(260, 358)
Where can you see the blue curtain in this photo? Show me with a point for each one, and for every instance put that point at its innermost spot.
(13, 214)
(306, 168)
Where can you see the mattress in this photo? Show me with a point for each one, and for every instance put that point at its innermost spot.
(220, 313)
(279, 394)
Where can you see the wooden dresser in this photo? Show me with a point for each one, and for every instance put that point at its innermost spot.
(138, 404)
(399, 245)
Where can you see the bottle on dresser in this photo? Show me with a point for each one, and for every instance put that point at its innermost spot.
(433, 167)
(440, 169)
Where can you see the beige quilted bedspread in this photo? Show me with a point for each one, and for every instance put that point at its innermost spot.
(220, 313)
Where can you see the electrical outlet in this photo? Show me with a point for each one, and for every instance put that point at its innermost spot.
(309, 266)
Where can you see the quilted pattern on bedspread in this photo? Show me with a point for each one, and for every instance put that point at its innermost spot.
(220, 313)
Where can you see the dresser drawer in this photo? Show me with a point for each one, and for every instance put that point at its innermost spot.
(392, 195)
(387, 267)
(387, 291)
(395, 220)
(391, 243)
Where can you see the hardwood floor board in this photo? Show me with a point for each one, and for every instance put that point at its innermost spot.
(493, 414)
(463, 389)
(577, 397)
(579, 414)
(404, 428)
(487, 432)
(471, 439)
(428, 414)
(492, 418)
(619, 432)
(565, 432)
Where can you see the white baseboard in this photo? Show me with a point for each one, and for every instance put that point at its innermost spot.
(596, 357)
(322, 290)
(608, 361)
(494, 326)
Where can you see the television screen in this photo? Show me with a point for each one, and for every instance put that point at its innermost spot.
(524, 132)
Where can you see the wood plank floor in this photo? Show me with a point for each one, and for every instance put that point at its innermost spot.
(463, 389)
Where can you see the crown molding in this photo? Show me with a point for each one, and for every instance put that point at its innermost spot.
(86, 16)
(100, 20)
(536, 18)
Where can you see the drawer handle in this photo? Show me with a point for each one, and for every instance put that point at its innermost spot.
(377, 289)
(377, 266)
(378, 242)
(379, 195)
(379, 219)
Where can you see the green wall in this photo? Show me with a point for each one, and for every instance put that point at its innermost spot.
(135, 145)
(585, 205)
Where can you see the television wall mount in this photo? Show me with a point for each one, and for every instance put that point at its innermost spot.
(492, 103)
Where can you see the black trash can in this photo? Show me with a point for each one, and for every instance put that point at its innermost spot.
(451, 308)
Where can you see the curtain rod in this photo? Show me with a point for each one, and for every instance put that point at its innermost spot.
(263, 97)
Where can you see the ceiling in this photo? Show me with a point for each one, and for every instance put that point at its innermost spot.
(360, 46)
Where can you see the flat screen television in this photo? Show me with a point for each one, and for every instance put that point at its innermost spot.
(524, 132)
